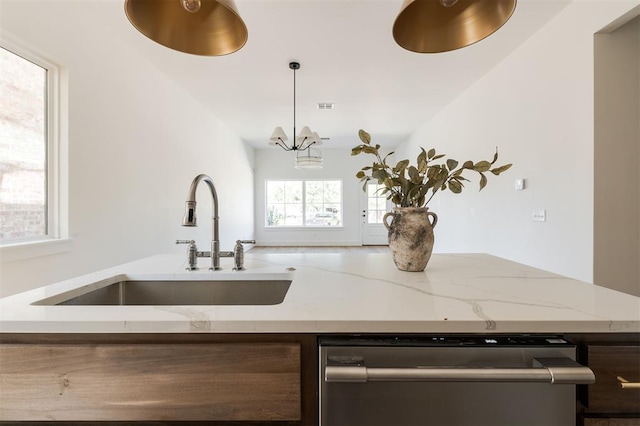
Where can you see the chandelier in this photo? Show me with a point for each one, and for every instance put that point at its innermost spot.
(305, 139)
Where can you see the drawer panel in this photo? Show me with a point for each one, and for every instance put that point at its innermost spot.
(216, 381)
(608, 363)
(610, 422)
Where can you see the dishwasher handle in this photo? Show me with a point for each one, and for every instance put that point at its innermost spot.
(544, 370)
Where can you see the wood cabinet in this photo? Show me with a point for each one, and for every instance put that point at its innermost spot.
(611, 421)
(158, 378)
(613, 360)
(245, 379)
(612, 365)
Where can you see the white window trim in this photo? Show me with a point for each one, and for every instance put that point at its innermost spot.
(57, 240)
(268, 228)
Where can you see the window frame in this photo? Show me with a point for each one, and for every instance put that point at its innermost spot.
(56, 239)
(304, 206)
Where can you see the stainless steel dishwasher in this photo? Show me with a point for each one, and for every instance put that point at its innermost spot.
(449, 380)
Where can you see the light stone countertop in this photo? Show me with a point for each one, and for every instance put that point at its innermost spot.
(346, 293)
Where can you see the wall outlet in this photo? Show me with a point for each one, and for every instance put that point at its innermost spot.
(519, 185)
(539, 215)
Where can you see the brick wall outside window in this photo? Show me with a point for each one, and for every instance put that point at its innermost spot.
(23, 148)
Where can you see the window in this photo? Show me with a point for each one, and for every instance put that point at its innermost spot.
(29, 195)
(376, 203)
(310, 203)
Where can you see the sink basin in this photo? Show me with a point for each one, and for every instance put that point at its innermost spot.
(160, 292)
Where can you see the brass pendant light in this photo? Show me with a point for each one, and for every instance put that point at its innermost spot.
(434, 26)
(199, 27)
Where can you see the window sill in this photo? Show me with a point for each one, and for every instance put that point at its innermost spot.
(31, 249)
(303, 228)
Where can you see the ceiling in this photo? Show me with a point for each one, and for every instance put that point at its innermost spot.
(347, 56)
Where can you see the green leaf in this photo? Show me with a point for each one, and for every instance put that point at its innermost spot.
(422, 166)
(431, 153)
(364, 136)
(357, 150)
(380, 174)
(413, 174)
(360, 174)
(482, 166)
(399, 168)
(422, 157)
(452, 164)
(501, 169)
(468, 165)
(388, 183)
(455, 186)
(413, 192)
(495, 157)
(483, 181)
(443, 173)
(367, 149)
(460, 179)
(435, 157)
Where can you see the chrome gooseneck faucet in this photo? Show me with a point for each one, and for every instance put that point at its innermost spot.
(190, 218)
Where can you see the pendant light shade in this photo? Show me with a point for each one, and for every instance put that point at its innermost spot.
(434, 26)
(199, 27)
(309, 159)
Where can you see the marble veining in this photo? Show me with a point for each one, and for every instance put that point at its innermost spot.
(346, 292)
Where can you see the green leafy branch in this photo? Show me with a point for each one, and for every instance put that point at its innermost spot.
(408, 185)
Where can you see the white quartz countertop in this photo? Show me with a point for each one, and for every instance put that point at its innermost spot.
(346, 293)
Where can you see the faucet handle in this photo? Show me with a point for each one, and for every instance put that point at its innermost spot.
(192, 254)
(185, 242)
(238, 254)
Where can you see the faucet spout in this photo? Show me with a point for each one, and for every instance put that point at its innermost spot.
(190, 218)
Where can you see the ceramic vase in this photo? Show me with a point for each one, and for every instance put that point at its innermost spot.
(411, 236)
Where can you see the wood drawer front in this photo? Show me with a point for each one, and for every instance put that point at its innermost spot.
(609, 362)
(611, 422)
(213, 381)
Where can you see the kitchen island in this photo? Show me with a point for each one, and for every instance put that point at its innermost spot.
(257, 363)
(345, 293)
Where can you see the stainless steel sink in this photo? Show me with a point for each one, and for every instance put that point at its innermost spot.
(160, 292)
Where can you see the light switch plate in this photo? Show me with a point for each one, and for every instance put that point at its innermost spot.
(539, 215)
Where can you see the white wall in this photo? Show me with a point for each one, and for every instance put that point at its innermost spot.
(136, 140)
(537, 107)
(274, 163)
(617, 156)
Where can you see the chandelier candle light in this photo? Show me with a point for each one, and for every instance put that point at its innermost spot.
(312, 158)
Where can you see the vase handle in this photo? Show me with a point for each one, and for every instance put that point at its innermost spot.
(434, 217)
(384, 220)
